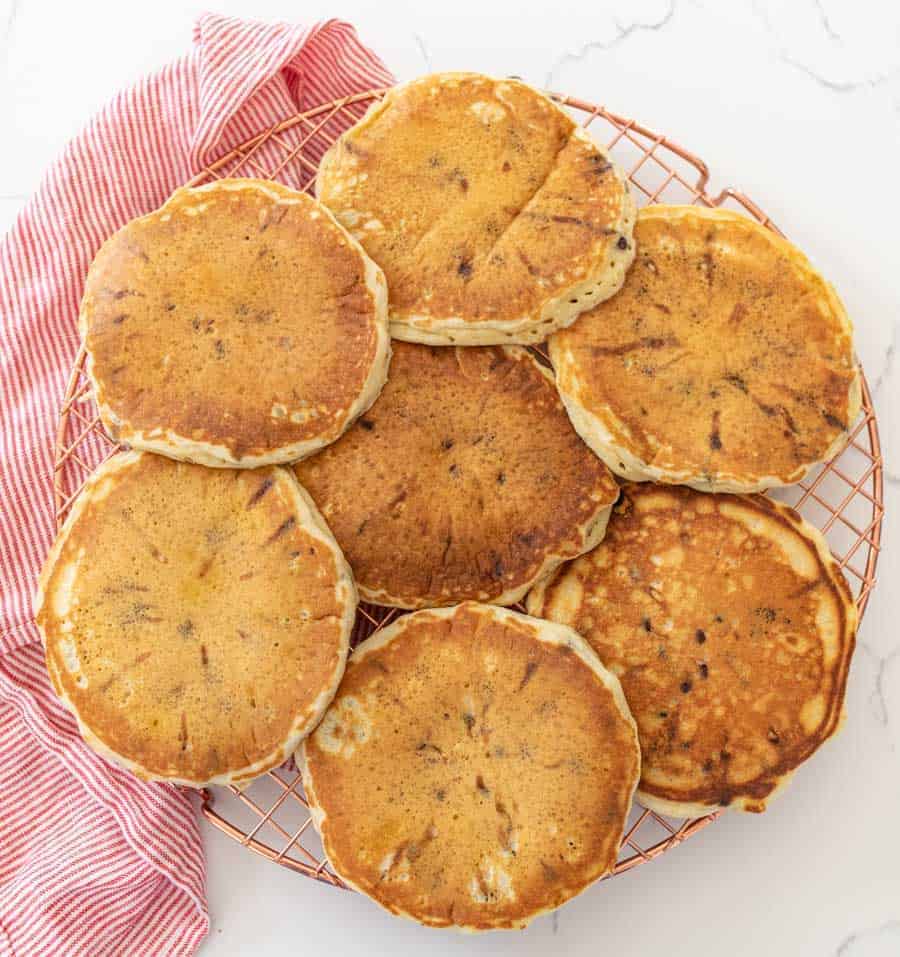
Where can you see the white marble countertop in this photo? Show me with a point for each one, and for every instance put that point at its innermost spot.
(799, 104)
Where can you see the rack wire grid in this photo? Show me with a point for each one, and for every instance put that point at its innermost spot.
(844, 498)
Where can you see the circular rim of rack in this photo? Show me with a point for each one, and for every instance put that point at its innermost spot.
(658, 168)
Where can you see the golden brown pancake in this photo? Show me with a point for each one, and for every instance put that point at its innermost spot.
(196, 621)
(725, 363)
(494, 216)
(731, 629)
(186, 307)
(475, 769)
(465, 480)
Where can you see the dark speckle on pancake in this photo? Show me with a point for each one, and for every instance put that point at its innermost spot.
(729, 727)
(473, 480)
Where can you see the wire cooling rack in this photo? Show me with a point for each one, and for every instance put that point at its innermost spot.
(844, 498)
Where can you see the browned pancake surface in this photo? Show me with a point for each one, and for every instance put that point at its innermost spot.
(730, 630)
(185, 308)
(193, 620)
(473, 771)
(476, 197)
(725, 359)
(461, 481)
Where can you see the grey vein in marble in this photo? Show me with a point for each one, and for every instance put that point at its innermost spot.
(839, 86)
(826, 23)
(877, 699)
(848, 946)
(622, 33)
(835, 86)
(423, 49)
(10, 24)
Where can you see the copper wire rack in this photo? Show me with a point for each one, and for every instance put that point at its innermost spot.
(844, 498)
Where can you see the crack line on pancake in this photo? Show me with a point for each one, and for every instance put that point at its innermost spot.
(183, 736)
(768, 409)
(672, 361)
(145, 538)
(140, 659)
(448, 543)
(530, 669)
(647, 342)
(261, 490)
(284, 527)
(524, 207)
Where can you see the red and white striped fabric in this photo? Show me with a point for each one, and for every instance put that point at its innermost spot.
(93, 861)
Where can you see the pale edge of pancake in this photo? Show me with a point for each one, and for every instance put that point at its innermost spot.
(584, 537)
(176, 446)
(839, 585)
(549, 633)
(609, 265)
(594, 427)
(313, 524)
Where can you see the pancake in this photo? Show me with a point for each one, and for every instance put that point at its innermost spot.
(475, 769)
(196, 621)
(184, 307)
(495, 217)
(731, 629)
(725, 363)
(465, 480)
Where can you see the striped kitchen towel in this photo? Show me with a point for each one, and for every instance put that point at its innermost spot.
(93, 861)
